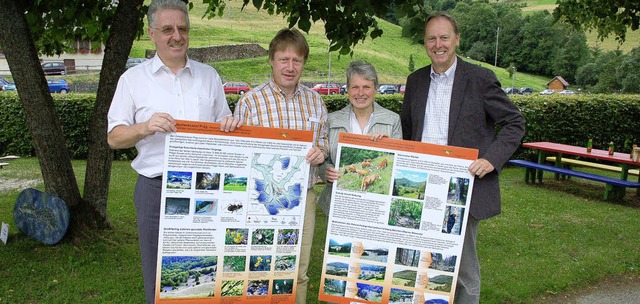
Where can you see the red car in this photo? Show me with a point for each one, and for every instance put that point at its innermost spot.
(236, 87)
(325, 89)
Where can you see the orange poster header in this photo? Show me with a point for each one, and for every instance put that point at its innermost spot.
(213, 128)
(409, 146)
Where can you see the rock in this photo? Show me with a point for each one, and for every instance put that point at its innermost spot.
(41, 216)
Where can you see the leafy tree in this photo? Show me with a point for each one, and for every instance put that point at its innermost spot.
(571, 54)
(539, 40)
(28, 28)
(608, 82)
(412, 64)
(511, 70)
(476, 22)
(587, 75)
(510, 21)
(605, 16)
(629, 72)
(481, 51)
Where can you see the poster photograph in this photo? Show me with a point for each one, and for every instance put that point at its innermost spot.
(397, 221)
(232, 212)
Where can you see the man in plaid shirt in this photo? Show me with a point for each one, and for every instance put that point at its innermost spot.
(283, 102)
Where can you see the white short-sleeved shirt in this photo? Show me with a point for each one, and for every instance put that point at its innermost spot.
(195, 93)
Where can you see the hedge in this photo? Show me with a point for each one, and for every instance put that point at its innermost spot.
(566, 119)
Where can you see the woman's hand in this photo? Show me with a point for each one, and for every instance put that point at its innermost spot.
(378, 136)
(331, 174)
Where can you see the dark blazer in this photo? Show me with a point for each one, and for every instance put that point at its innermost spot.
(478, 105)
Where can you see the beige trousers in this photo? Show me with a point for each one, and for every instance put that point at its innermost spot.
(305, 250)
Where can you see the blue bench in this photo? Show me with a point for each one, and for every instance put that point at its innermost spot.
(615, 188)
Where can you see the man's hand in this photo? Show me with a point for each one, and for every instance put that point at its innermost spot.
(315, 156)
(230, 123)
(480, 167)
(160, 122)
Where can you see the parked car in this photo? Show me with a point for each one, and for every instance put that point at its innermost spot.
(9, 87)
(343, 89)
(402, 89)
(58, 86)
(131, 62)
(387, 89)
(236, 87)
(512, 91)
(3, 82)
(566, 92)
(526, 90)
(325, 89)
(547, 92)
(54, 68)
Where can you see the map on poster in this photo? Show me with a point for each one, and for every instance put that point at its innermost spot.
(397, 222)
(277, 184)
(232, 211)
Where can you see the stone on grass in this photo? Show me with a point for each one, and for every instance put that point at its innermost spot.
(41, 216)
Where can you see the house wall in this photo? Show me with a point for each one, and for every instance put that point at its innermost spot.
(556, 85)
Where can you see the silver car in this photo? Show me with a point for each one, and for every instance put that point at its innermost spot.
(131, 62)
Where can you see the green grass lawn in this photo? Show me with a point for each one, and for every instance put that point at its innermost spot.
(551, 238)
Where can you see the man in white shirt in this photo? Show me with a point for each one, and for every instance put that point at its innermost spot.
(148, 99)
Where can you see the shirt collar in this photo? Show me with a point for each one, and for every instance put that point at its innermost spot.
(448, 74)
(274, 86)
(157, 64)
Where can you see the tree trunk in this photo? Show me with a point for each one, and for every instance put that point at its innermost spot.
(55, 161)
(117, 49)
(41, 115)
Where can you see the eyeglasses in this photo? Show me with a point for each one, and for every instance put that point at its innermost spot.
(169, 30)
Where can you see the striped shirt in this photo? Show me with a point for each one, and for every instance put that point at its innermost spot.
(266, 105)
(436, 115)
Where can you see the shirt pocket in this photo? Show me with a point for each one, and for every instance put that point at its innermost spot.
(205, 108)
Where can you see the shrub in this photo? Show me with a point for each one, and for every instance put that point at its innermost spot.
(566, 119)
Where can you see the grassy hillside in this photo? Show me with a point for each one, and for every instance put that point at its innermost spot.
(389, 53)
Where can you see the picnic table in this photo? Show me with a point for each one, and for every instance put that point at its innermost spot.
(620, 162)
(5, 158)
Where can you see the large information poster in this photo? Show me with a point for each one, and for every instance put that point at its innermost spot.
(397, 221)
(231, 214)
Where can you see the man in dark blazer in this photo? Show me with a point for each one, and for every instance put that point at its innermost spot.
(452, 102)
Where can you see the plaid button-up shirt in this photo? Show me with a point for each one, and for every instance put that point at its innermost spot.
(267, 106)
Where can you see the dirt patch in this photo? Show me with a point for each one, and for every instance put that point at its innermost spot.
(548, 7)
(15, 183)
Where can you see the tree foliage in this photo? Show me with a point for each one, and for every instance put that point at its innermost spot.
(629, 72)
(347, 22)
(605, 16)
(31, 28)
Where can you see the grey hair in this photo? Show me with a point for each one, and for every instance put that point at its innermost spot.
(157, 5)
(364, 70)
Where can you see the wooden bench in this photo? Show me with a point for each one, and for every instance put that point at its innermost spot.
(615, 188)
(571, 161)
(3, 164)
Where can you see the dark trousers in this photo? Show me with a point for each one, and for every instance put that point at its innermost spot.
(146, 197)
(468, 288)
